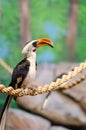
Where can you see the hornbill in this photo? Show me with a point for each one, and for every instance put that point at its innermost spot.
(24, 72)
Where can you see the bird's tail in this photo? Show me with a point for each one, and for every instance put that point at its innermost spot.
(4, 112)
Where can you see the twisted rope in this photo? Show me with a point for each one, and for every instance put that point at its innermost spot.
(46, 88)
(73, 83)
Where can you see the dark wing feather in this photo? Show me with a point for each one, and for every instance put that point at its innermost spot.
(19, 73)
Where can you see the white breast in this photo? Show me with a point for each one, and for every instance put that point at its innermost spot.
(30, 75)
(32, 71)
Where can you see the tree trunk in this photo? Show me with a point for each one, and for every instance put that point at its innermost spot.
(72, 29)
(24, 22)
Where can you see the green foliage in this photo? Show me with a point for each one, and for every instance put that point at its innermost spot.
(10, 30)
(81, 37)
(48, 18)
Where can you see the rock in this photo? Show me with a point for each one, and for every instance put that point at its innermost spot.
(21, 120)
(58, 128)
(78, 93)
(45, 73)
(63, 107)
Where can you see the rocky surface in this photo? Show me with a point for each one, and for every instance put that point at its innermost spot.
(21, 120)
(63, 107)
(58, 128)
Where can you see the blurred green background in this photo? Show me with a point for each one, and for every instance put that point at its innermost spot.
(48, 18)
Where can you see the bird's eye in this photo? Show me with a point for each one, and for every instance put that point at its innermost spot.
(35, 43)
(34, 49)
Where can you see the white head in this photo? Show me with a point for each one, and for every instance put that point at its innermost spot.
(30, 48)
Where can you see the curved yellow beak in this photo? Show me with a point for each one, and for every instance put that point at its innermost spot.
(44, 42)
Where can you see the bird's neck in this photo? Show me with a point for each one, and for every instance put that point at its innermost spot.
(31, 57)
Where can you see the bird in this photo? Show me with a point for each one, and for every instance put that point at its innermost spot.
(24, 72)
